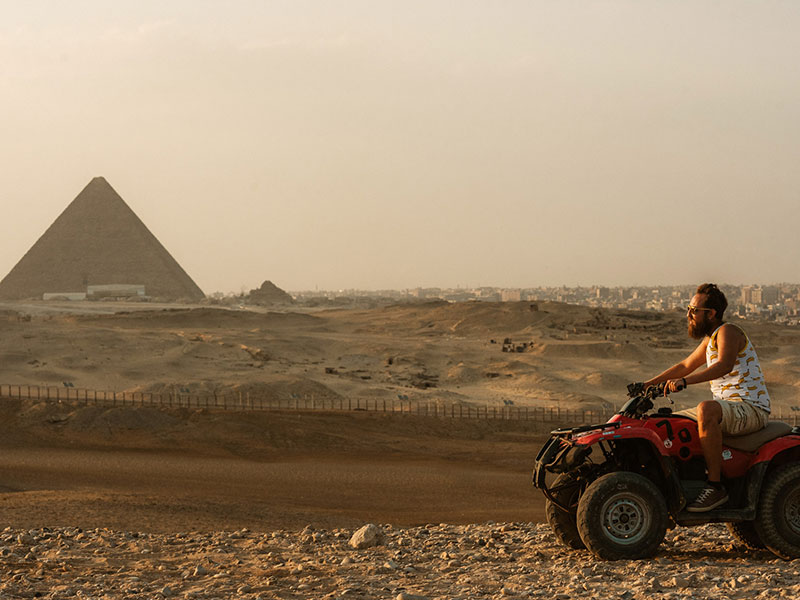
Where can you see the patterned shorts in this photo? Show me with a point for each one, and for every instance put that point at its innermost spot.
(738, 417)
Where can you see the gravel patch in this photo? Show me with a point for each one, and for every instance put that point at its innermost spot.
(491, 560)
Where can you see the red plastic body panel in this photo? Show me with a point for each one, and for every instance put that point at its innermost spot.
(771, 449)
(678, 438)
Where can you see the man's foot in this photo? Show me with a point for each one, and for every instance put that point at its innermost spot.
(710, 498)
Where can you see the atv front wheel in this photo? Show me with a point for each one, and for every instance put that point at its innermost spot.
(622, 515)
(745, 533)
(778, 517)
(566, 489)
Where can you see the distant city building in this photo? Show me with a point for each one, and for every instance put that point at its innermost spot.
(769, 295)
(114, 290)
(777, 303)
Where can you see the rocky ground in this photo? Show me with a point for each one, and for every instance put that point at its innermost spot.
(448, 562)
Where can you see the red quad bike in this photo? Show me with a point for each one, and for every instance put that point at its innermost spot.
(615, 488)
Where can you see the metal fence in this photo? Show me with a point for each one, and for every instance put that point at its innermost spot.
(246, 401)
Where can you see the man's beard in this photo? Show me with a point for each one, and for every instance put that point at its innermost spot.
(699, 330)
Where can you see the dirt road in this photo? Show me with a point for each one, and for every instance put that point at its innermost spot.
(204, 473)
(160, 492)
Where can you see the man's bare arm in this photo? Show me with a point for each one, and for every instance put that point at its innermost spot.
(685, 367)
(730, 341)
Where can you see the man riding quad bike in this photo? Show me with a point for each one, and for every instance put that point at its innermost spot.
(615, 488)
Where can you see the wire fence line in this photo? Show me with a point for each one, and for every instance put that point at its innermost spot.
(246, 401)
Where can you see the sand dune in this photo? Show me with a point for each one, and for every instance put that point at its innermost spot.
(422, 351)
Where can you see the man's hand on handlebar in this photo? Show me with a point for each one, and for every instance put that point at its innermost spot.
(674, 385)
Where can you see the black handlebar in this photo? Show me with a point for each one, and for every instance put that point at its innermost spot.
(650, 392)
(641, 398)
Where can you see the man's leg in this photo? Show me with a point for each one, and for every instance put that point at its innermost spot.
(709, 417)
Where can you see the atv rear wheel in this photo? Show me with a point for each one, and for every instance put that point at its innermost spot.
(622, 515)
(778, 518)
(745, 533)
(566, 489)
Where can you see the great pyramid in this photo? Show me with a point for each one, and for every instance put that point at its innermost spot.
(98, 240)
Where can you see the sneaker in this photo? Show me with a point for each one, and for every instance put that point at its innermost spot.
(708, 499)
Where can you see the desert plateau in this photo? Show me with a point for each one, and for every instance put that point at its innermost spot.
(103, 500)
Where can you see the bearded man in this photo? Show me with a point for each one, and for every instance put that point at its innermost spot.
(740, 403)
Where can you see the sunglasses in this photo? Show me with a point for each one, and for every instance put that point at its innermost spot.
(693, 309)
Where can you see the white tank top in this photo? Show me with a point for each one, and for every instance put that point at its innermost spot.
(745, 382)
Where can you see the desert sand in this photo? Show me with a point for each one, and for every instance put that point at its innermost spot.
(574, 357)
(85, 485)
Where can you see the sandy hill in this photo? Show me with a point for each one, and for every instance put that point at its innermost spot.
(570, 356)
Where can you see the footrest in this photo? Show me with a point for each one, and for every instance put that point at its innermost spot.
(718, 515)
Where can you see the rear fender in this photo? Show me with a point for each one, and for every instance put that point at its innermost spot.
(780, 450)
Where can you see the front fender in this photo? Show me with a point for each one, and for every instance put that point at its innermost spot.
(626, 432)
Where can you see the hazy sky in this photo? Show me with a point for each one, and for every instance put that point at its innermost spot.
(375, 144)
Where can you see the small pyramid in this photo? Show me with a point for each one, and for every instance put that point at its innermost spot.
(98, 240)
(269, 293)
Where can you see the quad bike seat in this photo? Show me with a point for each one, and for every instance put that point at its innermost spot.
(753, 441)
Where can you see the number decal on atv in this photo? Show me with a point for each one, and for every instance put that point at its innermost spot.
(665, 423)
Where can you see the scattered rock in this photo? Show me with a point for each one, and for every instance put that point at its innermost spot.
(366, 537)
(199, 571)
